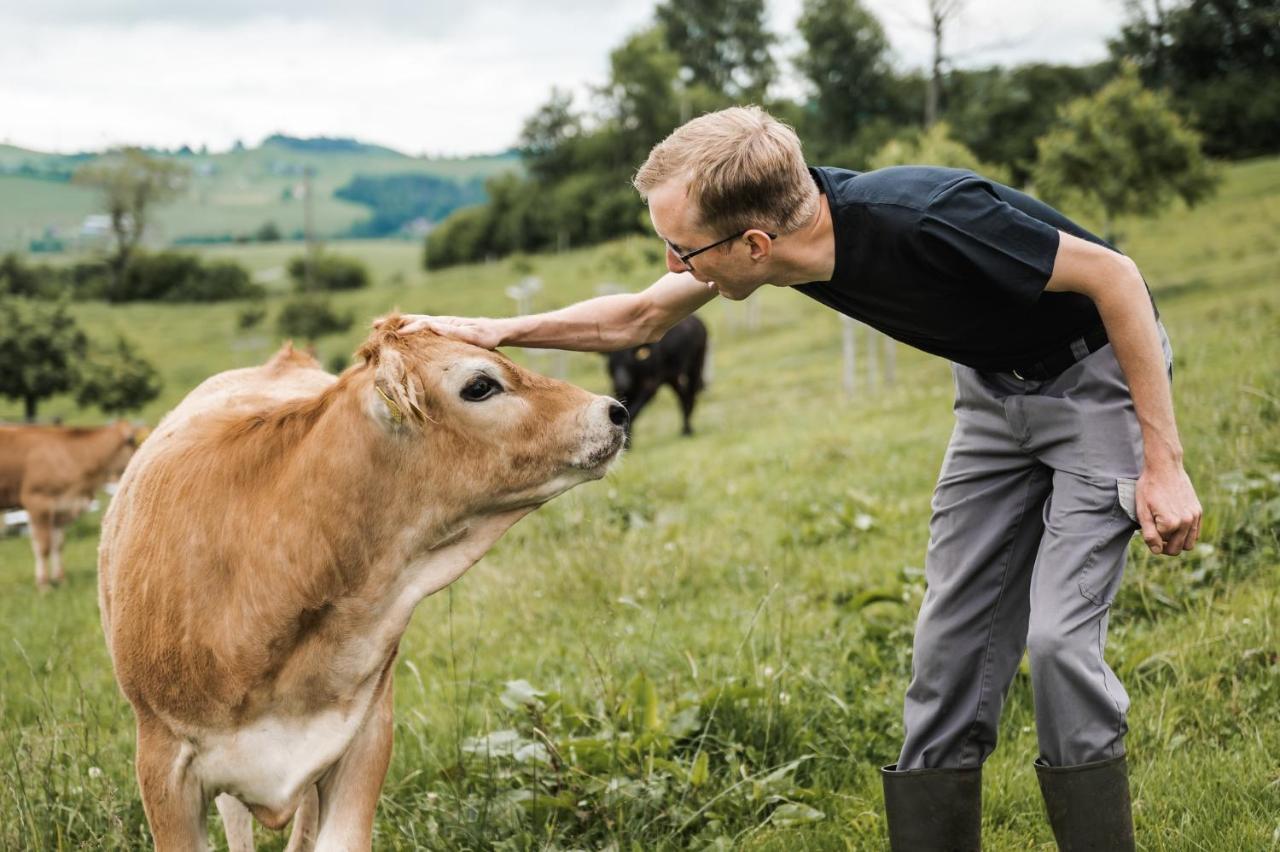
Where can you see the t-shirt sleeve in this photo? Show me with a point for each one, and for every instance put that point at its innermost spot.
(967, 232)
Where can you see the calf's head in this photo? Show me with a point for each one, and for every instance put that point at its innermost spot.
(479, 431)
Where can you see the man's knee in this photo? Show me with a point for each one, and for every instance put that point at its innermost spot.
(1049, 646)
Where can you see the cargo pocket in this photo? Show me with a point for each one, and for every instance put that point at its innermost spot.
(1115, 523)
(1127, 495)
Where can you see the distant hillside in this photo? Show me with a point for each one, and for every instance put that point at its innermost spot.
(235, 193)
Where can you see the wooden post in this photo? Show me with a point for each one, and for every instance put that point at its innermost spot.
(873, 343)
(849, 345)
(890, 361)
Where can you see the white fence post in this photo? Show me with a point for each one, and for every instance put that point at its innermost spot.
(849, 345)
(522, 292)
(890, 361)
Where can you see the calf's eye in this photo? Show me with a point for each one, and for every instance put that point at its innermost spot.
(481, 387)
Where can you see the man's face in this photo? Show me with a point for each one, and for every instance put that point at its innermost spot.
(728, 268)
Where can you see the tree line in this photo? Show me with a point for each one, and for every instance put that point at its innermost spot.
(1213, 64)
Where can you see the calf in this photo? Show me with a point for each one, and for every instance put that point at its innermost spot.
(53, 472)
(267, 548)
(676, 360)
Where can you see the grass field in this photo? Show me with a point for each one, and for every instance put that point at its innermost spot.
(240, 192)
(708, 649)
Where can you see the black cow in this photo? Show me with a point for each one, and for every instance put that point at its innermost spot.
(675, 360)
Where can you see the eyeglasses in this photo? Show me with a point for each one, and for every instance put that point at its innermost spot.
(684, 258)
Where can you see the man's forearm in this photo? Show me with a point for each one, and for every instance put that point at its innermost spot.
(602, 324)
(1131, 327)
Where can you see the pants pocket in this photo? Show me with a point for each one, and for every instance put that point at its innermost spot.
(1126, 495)
(1113, 524)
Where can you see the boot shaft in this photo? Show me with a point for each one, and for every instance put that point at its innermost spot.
(933, 810)
(1089, 806)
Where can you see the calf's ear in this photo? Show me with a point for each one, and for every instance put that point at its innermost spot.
(396, 392)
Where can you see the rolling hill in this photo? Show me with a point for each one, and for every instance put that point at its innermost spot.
(231, 193)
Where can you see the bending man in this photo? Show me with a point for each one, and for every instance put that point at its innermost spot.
(1064, 444)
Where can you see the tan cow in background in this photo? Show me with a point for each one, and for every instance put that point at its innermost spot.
(269, 544)
(53, 472)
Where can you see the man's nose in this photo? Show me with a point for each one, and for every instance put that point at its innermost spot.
(674, 264)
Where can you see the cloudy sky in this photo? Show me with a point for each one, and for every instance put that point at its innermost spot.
(431, 76)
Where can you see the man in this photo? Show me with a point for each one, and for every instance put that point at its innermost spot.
(1065, 440)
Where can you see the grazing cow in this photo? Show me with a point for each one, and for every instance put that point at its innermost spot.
(677, 359)
(268, 545)
(53, 472)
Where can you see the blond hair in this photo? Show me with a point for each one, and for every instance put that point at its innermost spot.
(744, 170)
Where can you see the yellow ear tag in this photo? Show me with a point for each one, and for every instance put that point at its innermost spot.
(397, 416)
(642, 354)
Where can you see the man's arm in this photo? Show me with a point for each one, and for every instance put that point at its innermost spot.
(603, 324)
(1167, 507)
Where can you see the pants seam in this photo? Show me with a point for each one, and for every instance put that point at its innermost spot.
(1102, 665)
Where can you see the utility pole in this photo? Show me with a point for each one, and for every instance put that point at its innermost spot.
(308, 226)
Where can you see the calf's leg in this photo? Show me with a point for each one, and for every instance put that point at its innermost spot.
(348, 793)
(41, 545)
(303, 837)
(57, 535)
(171, 794)
(237, 822)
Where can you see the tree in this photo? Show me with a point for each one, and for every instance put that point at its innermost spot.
(941, 13)
(643, 96)
(722, 44)
(116, 379)
(42, 348)
(131, 183)
(936, 147)
(847, 63)
(1219, 59)
(1000, 112)
(1124, 150)
(547, 138)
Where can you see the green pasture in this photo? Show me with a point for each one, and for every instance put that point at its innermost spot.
(243, 191)
(708, 649)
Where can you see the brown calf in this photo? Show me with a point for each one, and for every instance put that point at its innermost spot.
(267, 548)
(53, 472)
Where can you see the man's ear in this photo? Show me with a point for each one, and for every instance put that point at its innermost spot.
(759, 244)
(396, 391)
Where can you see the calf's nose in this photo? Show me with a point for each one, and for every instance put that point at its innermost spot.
(617, 414)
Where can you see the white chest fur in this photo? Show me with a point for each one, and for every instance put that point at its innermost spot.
(271, 761)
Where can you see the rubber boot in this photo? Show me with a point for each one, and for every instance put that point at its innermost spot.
(933, 810)
(1088, 805)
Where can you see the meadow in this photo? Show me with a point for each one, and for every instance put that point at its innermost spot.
(229, 193)
(708, 649)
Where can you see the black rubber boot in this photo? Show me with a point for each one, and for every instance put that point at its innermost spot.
(933, 810)
(1088, 805)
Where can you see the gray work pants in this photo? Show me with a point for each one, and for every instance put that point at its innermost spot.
(1032, 517)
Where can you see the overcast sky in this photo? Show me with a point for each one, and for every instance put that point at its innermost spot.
(431, 76)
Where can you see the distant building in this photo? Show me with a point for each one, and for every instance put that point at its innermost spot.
(418, 227)
(95, 226)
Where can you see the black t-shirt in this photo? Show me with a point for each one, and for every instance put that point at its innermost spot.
(951, 263)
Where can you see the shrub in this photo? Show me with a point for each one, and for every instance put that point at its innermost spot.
(329, 272)
(176, 277)
(250, 317)
(34, 282)
(220, 281)
(116, 379)
(311, 317)
(268, 233)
